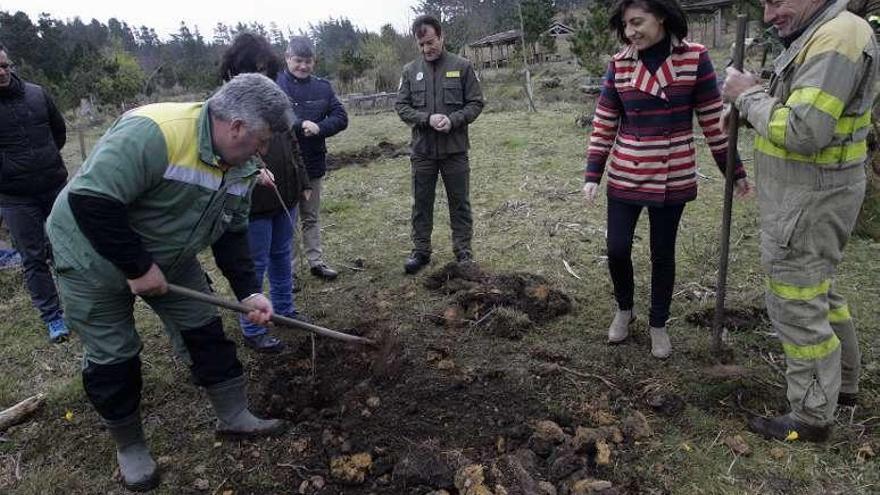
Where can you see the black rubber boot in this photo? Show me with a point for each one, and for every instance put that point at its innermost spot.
(139, 471)
(234, 420)
(788, 428)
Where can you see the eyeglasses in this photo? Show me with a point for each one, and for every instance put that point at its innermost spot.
(6, 66)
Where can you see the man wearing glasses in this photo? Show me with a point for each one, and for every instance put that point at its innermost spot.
(32, 132)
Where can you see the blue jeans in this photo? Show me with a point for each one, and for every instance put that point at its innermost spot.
(271, 243)
(26, 220)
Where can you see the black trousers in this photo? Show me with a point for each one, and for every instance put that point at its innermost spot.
(622, 219)
(115, 389)
(26, 220)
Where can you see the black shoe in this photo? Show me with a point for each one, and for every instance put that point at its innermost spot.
(265, 343)
(324, 271)
(415, 262)
(847, 399)
(788, 428)
(464, 257)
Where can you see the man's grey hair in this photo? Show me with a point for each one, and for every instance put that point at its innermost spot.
(254, 99)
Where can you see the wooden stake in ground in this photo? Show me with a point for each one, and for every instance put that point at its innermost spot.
(522, 38)
(20, 412)
(732, 139)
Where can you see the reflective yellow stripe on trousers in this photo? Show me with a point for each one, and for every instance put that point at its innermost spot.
(798, 293)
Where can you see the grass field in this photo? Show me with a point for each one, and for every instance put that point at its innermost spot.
(529, 217)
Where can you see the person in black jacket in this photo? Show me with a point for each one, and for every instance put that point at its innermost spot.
(322, 116)
(32, 133)
(274, 202)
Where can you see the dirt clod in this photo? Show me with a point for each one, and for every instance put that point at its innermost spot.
(587, 486)
(352, 469)
(507, 305)
(738, 445)
(636, 426)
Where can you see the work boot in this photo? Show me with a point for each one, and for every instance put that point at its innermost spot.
(321, 270)
(415, 262)
(234, 420)
(661, 348)
(787, 428)
(619, 329)
(138, 469)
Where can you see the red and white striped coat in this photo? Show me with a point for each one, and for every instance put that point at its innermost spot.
(644, 122)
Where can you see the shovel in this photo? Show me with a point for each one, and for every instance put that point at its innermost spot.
(277, 319)
(732, 138)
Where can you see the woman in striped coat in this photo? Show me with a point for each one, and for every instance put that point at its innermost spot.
(644, 123)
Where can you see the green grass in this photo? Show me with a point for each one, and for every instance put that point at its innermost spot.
(529, 216)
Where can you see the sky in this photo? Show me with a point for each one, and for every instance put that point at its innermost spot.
(165, 15)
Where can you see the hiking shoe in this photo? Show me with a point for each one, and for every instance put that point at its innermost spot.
(265, 343)
(415, 262)
(619, 329)
(787, 428)
(58, 331)
(324, 271)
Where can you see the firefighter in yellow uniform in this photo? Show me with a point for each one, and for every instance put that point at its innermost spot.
(810, 151)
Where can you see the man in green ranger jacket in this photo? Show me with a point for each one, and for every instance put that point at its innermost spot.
(810, 153)
(165, 182)
(439, 96)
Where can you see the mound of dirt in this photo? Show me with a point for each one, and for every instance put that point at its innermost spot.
(735, 319)
(507, 304)
(381, 151)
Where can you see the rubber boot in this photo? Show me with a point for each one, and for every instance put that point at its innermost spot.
(787, 428)
(138, 469)
(234, 420)
(619, 329)
(661, 347)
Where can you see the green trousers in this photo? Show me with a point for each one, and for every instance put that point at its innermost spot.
(455, 170)
(99, 307)
(807, 215)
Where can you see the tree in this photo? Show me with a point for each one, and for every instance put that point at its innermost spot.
(593, 42)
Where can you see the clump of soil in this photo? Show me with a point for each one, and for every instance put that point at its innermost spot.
(508, 323)
(735, 319)
(507, 304)
(381, 151)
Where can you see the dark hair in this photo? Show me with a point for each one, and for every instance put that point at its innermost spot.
(423, 21)
(674, 18)
(249, 53)
(301, 46)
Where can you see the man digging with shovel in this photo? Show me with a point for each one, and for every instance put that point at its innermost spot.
(165, 182)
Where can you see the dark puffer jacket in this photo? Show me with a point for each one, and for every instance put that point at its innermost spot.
(313, 99)
(32, 132)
